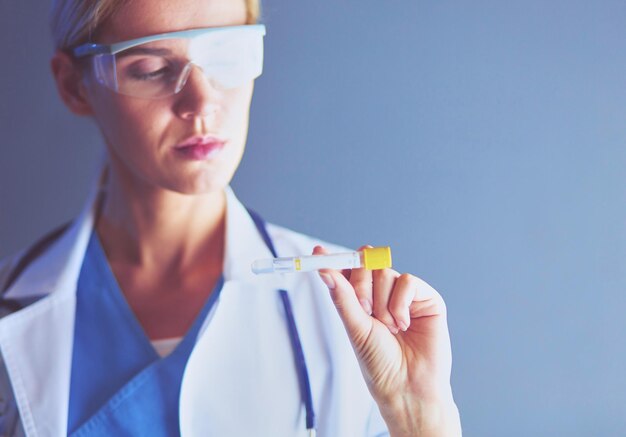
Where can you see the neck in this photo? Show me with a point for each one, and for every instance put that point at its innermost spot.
(150, 227)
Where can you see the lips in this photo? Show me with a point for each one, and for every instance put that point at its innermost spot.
(200, 147)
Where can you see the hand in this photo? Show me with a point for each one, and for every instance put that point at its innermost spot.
(398, 329)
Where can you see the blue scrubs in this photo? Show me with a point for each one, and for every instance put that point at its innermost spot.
(119, 384)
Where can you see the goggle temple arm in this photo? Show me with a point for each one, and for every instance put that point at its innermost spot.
(104, 68)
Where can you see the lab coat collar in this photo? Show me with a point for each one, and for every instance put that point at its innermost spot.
(244, 244)
(58, 269)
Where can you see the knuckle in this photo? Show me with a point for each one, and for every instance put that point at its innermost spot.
(406, 279)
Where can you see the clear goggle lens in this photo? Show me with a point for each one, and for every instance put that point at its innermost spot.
(229, 58)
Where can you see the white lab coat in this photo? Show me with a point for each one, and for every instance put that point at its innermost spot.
(240, 379)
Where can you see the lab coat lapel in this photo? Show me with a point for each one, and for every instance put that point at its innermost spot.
(246, 337)
(244, 243)
(36, 342)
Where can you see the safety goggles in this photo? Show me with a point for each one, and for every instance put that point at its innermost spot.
(159, 65)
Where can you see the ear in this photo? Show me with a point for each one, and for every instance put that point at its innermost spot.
(70, 84)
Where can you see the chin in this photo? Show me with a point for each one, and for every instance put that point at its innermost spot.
(200, 186)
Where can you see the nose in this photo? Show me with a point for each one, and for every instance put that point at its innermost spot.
(198, 97)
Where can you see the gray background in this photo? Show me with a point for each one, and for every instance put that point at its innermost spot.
(483, 140)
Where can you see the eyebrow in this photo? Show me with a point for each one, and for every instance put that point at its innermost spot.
(144, 51)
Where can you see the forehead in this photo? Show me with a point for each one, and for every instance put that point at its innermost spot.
(139, 18)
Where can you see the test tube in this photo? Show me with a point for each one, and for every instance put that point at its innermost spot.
(371, 258)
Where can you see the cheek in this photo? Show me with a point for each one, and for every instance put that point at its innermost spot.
(129, 124)
(237, 107)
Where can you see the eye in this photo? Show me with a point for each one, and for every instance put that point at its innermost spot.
(151, 75)
(150, 68)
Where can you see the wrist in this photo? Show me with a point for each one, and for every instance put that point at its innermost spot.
(410, 417)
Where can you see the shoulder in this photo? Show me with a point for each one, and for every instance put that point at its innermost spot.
(7, 264)
(13, 265)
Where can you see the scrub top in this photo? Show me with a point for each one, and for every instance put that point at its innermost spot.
(119, 383)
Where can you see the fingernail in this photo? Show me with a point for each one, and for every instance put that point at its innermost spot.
(328, 280)
(403, 326)
(393, 329)
(367, 306)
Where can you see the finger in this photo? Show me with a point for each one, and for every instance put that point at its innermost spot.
(427, 301)
(404, 293)
(384, 281)
(356, 321)
(361, 280)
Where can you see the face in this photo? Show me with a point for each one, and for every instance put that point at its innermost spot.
(146, 138)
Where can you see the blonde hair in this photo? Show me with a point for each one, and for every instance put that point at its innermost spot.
(74, 22)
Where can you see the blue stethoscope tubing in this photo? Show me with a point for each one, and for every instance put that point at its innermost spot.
(296, 344)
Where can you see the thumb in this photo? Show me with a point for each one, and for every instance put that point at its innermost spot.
(357, 322)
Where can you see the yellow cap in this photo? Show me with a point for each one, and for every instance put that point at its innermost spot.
(376, 258)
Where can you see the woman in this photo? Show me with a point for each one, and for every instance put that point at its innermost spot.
(143, 318)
